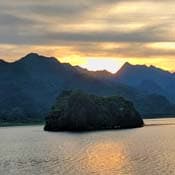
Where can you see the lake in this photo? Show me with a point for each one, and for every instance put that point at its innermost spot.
(28, 150)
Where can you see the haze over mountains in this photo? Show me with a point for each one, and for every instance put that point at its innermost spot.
(30, 86)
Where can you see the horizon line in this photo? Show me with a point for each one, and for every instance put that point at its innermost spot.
(85, 68)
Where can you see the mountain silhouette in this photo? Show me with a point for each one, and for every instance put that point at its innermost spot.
(150, 79)
(30, 86)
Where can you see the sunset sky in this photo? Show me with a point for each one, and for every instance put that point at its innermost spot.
(96, 34)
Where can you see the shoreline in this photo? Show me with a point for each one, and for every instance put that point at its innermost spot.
(11, 124)
(8, 124)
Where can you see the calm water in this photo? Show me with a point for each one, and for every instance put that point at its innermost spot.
(31, 151)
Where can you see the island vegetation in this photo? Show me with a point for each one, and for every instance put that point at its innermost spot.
(79, 111)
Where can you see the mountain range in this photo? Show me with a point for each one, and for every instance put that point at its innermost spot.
(30, 86)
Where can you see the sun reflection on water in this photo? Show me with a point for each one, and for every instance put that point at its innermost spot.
(104, 157)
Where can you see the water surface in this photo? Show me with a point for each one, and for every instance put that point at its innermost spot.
(29, 150)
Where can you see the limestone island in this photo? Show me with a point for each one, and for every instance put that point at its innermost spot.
(79, 111)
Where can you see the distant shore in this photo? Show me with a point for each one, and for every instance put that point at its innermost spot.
(7, 124)
(158, 116)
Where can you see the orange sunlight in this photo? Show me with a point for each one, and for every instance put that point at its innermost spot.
(104, 157)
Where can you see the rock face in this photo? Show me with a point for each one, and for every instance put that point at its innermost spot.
(78, 111)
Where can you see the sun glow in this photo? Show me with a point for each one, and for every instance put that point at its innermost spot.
(109, 64)
(163, 45)
(95, 63)
(106, 60)
(74, 60)
(166, 64)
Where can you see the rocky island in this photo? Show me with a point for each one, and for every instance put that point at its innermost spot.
(79, 111)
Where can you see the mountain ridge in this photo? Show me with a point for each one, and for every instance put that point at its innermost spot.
(31, 54)
(136, 75)
(30, 86)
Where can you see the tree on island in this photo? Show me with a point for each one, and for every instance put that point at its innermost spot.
(79, 111)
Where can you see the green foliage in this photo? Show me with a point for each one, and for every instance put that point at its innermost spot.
(76, 110)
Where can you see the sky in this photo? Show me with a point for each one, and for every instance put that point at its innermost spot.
(95, 34)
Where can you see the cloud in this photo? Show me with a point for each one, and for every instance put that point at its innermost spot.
(87, 28)
(148, 34)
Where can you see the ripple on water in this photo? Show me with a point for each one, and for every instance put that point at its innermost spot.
(31, 151)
